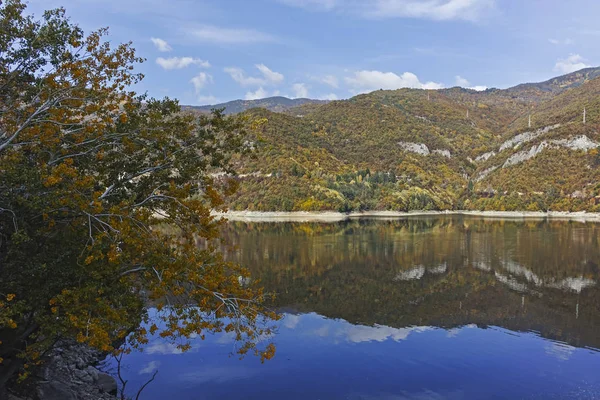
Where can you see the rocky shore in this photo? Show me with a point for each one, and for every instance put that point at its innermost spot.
(70, 373)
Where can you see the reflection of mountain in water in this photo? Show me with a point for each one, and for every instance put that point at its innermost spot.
(446, 272)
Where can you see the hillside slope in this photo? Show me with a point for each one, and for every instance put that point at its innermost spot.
(411, 149)
(556, 159)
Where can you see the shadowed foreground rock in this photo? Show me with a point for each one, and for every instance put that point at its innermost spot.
(70, 374)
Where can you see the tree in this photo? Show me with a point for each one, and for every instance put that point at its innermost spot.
(104, 196)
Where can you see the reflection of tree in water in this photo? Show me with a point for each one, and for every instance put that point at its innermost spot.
(531, 275)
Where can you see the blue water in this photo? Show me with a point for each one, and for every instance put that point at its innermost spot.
(418, 331)
(321, 358)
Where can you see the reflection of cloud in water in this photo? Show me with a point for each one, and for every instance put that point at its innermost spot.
(291, 320)
(377, 333)
(322, 331)
(560, 350)
(161, 347)
(216, 374)
(149, 368)
(455, 331)
(226, 337)
(342, 330)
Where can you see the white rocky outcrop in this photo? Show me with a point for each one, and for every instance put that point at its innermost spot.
(521, 156)
(419, 148)
(485, 156)
(422, 149)
(526, 137)
(485, 173)
(445, 153)
(578, 143)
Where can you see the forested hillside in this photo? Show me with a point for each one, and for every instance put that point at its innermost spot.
(522, 148)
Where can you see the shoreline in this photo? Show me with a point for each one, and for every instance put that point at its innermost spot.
(334, 216)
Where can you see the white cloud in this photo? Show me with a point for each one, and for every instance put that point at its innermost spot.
(570, 64)
(300, 90)
(149, 368)
(561, 351)
(330, 96)
(315, 5)
(216, 374)
(214, 34)
(238, 75)
(462, 82)
(331, 80)
(161, 45)
(260, 93)
(269, 77)
(470, 10)
(181, 62)
(441, 10)
(200, 81)
(366, 81)
(559, 42)
(206, 100)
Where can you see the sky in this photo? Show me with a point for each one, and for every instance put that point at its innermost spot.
(212, 51)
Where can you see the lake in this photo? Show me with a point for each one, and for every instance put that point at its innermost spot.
(414, 308)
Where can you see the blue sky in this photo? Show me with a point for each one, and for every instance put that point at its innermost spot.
(209, 51)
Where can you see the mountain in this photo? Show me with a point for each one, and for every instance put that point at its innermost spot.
(277, 104)
(558, 84)
(522, 148)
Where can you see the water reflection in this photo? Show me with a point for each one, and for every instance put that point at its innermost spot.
(445, 272)
(424, 308)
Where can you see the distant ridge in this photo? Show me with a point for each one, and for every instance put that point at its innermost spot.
(560, 83)
(275, 104)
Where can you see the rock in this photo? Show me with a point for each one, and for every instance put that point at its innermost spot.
(525, 155)
(485, 156)
(79, 363)
(578, 143)
(445, 153)
(69, 373)
(527, 137)
(485, 173)
(107, 383)
(93, 372)
(55, 391)
(419, 148)
(83, 376)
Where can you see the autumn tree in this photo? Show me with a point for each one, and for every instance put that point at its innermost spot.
(104, 196)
